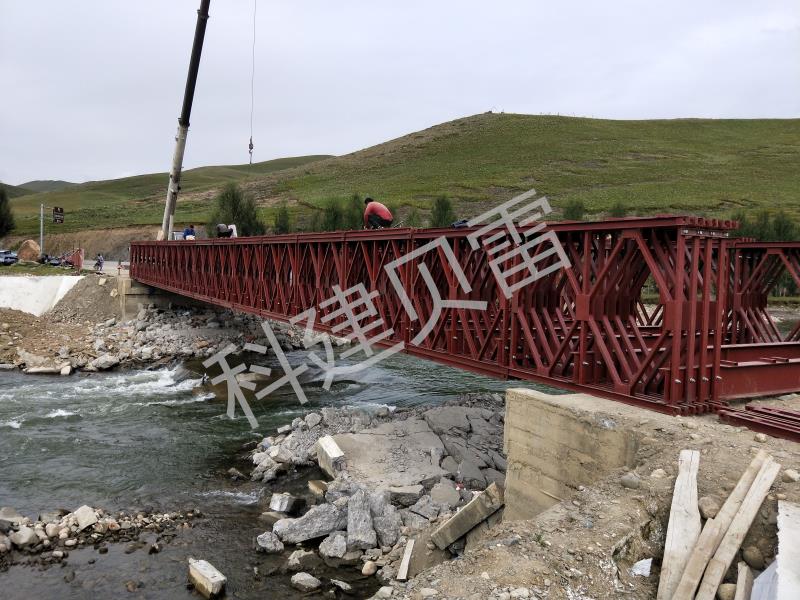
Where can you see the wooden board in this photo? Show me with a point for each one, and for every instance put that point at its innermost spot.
(729, 546)
(684, 524)
(744, 582)
(402, 572)
(714, 531)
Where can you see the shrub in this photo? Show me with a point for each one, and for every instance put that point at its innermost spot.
(618, 210)
(232, 206)
(282, 223)
(574, 210)
(414, 219)
(442, 214)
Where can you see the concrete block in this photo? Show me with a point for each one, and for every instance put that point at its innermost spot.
(479, 508)
(206, 578)
(329, 456)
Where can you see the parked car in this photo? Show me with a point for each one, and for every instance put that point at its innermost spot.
(7, 257)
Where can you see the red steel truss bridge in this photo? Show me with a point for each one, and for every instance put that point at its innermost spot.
(668, 313)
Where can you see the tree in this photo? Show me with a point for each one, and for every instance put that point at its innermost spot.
(442, 214)
(234, 207)
(618, 210)
(783, 227)
(6, 217)
(574, 210)
(282, 222)
(353, 213)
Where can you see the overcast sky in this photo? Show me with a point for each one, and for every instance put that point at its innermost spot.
(91, 89)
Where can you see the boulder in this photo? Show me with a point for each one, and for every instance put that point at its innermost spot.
(360, 533)
(104, 362)
(494, 476)
(319, 521)
(470, 475)
(450, 466)
(26, 536)
(305, 582)
(387, 526)
(406, 495)
(333, 546)
(85, 517)
(330, 456)
(445, 493)
(448, 420)
(425, 507)
(286, 503)
(312, 420)
(269, 542)
(29, 251)
(341, 488)
(9, 514)
(301, 560)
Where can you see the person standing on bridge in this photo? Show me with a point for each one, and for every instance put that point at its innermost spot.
(376, 215)
(188, 233)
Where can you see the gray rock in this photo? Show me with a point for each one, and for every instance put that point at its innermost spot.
(709, 506)
(283, 502)
(414, 521)
(301, 560)
(448, 420)
(85, 516)
(630, 481)
(312, 420)
(345, 587)
(387, 527)
(384, 592)
(458, 449)
(493, 476)
(425, 507)
(379, 501)
(269, 542)
(104, 362)
(305, 582)
(360, 534)
(334, 546)
(445, 493)
(498, 460)
(406, 495)
(450, 465)
(470, 475)
(24, 537)
(341, 488)
(284, 429)
(319, 521)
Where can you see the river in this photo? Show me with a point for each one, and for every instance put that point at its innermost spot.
(156, 440)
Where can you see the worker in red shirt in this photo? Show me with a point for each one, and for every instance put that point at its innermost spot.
(376, 215)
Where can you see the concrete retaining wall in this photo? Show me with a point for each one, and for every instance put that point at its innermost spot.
(35, 295)
(556, 443)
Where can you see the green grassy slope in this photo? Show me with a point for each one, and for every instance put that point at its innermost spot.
(47, 185)
(14, 191)
(693, 165)
(700, 166)
(137, 200)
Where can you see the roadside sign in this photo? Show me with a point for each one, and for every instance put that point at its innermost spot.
(58, 214)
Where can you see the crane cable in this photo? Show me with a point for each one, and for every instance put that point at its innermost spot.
(253, 81)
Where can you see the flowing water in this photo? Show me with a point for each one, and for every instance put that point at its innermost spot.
(158, 440)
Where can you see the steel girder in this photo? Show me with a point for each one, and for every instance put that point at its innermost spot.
(584, 328)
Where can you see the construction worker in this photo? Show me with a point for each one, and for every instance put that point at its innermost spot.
(189, 233)
(376, 215)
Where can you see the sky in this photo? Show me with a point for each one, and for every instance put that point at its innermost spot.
(92, 89)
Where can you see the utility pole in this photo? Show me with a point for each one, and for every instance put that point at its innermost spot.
(183, 122)
(41, 229)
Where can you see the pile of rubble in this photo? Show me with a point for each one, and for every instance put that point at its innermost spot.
(53, 535)
(406, 487)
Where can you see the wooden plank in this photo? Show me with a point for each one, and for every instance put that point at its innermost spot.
(788, 550)
(402, 572)
(730, 544)
(684, 524)
(715, 529)
(744, 582)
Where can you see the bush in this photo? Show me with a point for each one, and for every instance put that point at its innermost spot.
(442, 214)
(232, 206)
(282, 223)
(766, 228)
(574, 210)
(618, 210)
(6, 217)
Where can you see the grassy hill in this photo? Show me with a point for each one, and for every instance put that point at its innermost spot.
(701, 166)
(46, 185)
(14, 191)
(139, 200)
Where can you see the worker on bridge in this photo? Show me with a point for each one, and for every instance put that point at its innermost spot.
(376, 215)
